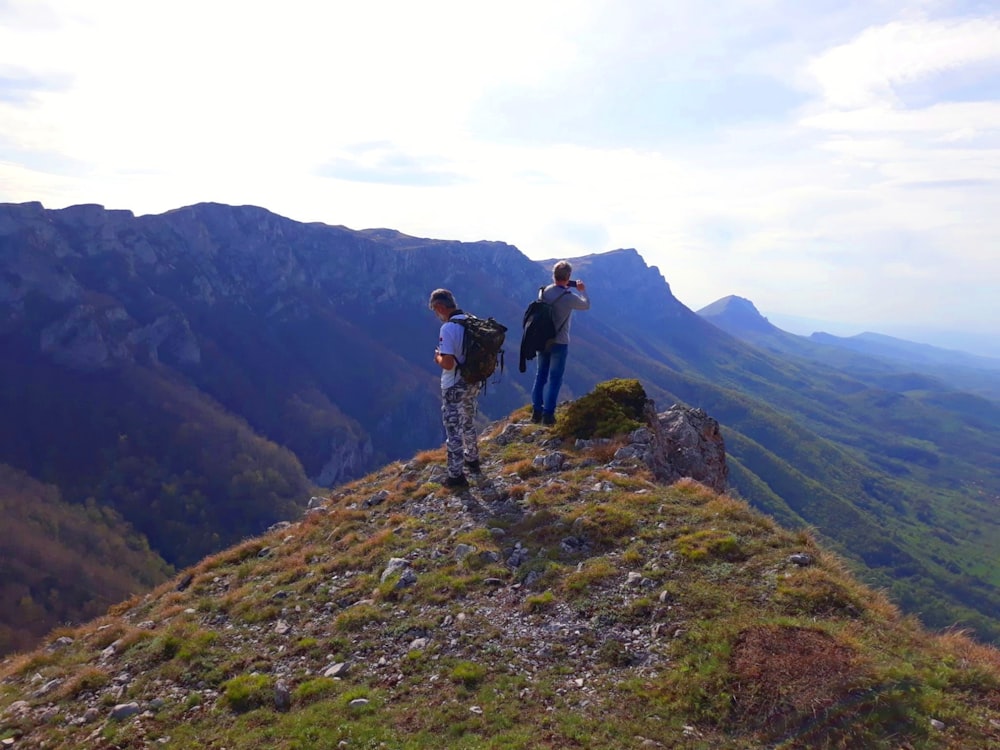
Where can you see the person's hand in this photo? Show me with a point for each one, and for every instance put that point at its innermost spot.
(581, 286)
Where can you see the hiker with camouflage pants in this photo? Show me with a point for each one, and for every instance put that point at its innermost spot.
(458, 398)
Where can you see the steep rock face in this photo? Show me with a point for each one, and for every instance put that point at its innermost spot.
(688, 443)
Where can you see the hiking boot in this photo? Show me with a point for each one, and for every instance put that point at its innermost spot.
(473, 466)
(536, 416)
(548, 419)
(456, 483)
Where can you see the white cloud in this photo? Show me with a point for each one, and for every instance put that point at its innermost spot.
(865, 71)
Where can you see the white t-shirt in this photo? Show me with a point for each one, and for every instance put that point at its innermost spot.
(450, 342)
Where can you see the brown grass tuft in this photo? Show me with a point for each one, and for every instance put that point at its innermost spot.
(784, 677)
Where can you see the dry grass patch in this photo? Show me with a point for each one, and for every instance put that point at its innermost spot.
(694, 492)
(370, 550)
(424, 458)
(87, 679)
(605, 452)
(784, 678)
(554, 493)
(724, 506)
(116, 610)
(525, 469)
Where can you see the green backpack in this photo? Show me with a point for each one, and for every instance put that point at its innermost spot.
(482, 347)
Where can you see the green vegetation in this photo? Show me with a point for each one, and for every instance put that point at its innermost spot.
(612, 408)
(247, 692)
(675, 616)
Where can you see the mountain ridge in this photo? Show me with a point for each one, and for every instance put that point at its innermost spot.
(245, 356)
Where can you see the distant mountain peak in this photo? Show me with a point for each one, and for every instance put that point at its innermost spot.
(735, 314)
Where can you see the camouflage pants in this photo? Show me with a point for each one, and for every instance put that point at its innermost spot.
(458, 412)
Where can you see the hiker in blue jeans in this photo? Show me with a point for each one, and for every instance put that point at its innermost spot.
(565, 296)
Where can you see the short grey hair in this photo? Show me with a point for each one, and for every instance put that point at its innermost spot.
(444, 297)
(562, 270)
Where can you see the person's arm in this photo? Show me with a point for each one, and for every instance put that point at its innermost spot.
(445, 361)
(580, 300)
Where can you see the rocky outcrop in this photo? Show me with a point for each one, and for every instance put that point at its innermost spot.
(688, 443)
(680, 443)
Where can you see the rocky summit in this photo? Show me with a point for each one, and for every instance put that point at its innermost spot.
(578, 595)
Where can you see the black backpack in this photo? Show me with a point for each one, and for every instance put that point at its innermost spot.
(482, 348)
(538, 329)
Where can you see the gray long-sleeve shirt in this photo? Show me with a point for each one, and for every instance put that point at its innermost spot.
(564, 301)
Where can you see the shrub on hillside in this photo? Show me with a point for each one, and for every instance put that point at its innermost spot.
(614, 407)
(247, 692)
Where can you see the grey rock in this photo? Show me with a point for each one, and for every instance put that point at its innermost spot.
(687, 443)
(627, 452)
(47, 688)
(406, 579)
(581, 443)
(377, 499)
(642, 435)
(801, 559)
(340, 669)
(511, 433)
(17, 708)
(518, 556)
(395, 565)
(282, 696)
(553, 461)
(572, 544)
(124, 711)
(60, 643)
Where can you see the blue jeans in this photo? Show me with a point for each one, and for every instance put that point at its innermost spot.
(551, 366)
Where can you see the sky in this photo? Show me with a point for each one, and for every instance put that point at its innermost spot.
(833, 162)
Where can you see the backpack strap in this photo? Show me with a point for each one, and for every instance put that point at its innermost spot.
(465, 339)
